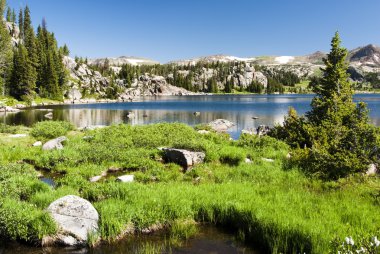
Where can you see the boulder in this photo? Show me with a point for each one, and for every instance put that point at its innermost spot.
(183, 157)
(126, 178)
(54, 144)
(262, 130)
(76, 218)
(221, 125)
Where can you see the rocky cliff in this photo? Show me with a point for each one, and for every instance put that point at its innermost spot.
(150, 85)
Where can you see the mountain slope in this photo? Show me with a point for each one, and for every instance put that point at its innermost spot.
(119, 61)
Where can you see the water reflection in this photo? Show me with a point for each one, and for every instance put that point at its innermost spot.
(270, 109)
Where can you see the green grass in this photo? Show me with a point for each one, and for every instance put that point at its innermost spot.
(269, 204)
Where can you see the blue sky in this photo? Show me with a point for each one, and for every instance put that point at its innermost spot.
(167, 30)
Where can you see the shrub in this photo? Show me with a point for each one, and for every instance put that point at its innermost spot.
(50, 129)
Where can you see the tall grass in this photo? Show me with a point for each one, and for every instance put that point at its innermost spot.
(281, 211)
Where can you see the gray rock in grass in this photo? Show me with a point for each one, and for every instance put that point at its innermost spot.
(54, 144)
(183, 157)
(76, 218)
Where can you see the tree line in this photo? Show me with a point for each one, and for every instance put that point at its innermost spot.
(32, 63)
(184, 76)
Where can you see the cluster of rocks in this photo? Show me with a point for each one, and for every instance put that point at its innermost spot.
(83, 78)
(150, 85)
(7, 109)
(242, 77)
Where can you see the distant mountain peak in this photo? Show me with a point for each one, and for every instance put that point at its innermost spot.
(121, 60)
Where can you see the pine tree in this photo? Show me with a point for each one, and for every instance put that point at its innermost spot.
(13, 20)
(6, 52)
(65, 50)
(335, 138)
(9, 15)
(30, 45)
(23, 84)
(21, 24)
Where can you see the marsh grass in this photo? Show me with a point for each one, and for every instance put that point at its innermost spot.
(272, 205)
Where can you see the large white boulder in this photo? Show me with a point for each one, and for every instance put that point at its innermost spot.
(76, 218)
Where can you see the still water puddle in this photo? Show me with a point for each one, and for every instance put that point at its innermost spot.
(209, 239)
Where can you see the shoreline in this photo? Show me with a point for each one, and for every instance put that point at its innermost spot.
(21, 105)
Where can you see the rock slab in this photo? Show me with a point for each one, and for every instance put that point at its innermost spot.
(76, 218)
(221, 125)
(183, 157)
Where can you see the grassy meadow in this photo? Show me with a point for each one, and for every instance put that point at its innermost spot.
(269, 204)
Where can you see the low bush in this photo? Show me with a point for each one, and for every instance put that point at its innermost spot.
(50, 129)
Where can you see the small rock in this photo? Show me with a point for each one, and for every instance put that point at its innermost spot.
(182, 157)
(54, 144)
(20, 106)
(288, 156)
(126, 178)
(221, 125)
(91, 127)
(203, 132)
(267, 160)
(372, 170)
(95, 179)
(38, 143)
(247, 160)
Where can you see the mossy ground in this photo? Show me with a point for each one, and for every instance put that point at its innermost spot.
(269, 204)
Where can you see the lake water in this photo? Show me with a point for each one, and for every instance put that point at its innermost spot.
(209, 239)
(270, 109)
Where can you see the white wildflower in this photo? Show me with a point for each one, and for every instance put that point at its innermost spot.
(349, 241)
(376, 241)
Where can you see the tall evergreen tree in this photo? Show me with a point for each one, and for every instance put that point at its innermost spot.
(9, 15)
(13, 16)
(30, 45)
(336, 137)
(21, 24)
(6, 52)
(22, 81)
